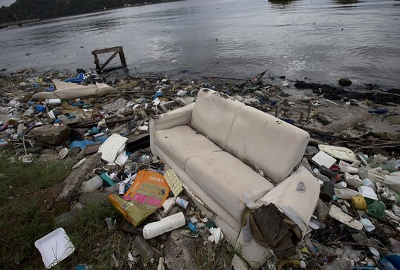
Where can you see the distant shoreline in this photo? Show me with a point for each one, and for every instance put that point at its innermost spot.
(29, 21)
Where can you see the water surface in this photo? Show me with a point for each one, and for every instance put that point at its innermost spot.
(318, 39)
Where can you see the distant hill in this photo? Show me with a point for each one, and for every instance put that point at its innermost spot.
(44, 9)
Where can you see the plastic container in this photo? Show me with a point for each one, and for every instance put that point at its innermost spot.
(359, 202)
(143, 248)
(167, 224)
(376, 209)
(92, 184)
(53, 101)
(394, 259)
(384, 264)
(369, 227)
(109, 182)
(182, 202)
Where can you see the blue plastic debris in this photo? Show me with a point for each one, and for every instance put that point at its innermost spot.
(379, 111)
(40, 108)
(78, 79)
(80, 144)
(157, 94)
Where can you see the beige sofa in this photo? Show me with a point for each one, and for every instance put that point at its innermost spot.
(208, 144)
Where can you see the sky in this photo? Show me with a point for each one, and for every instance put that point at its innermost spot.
(6, 2)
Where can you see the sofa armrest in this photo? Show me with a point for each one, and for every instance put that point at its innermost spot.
(178, 117)
(296, 196)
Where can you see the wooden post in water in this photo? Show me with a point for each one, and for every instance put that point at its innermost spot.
(115, 50)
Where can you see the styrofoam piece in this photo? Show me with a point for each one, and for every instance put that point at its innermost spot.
(121, 159)
(112, 147)
(368, 192)
(167, 224)
(323, 159)
(54, 247)
(336, 213)
(338, 152)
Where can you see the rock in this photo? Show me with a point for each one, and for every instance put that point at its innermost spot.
(94, 198)
(48, 158)
(178, 251)
(345, 82)
(74, 181)
(50, 134)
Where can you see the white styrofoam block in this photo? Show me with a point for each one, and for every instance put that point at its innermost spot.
(112, 147)
(323, 159)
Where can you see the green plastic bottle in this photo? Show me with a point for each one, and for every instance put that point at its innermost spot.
(376, 209)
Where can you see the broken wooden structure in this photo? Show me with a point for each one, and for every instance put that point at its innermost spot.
(116, 50)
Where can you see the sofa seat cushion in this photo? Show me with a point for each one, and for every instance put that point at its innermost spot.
(181, 143)
(226, 179)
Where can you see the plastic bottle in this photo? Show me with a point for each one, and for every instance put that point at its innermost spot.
(167, 224)
(376, 209)
(106, 178)
(53, 101)
(143, 248)
(331, 174)
(92, 184)
(182, 202)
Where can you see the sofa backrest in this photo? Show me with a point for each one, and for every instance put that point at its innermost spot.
(273, 145)
(213, 115)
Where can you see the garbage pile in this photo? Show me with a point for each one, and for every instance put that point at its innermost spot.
(357, 219)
